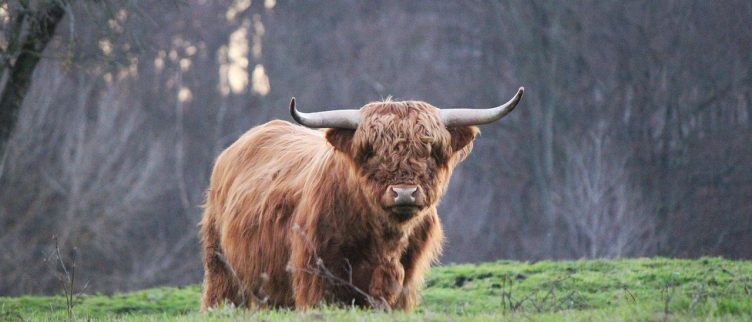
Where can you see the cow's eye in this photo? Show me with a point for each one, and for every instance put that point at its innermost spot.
(367, 153)
(436, 154)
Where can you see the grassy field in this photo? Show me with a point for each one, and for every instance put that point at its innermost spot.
(601, 290)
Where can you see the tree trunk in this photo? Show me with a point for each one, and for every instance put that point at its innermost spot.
(40, 31)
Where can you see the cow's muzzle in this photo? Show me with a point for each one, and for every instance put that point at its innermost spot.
(403, 200)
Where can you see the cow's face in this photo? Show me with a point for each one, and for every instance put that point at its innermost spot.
(403, 155)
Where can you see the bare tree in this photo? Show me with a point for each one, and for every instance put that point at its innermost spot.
(600, 206)
(97, 173)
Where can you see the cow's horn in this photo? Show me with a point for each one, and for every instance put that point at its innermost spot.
(341, 119)
(466, 116)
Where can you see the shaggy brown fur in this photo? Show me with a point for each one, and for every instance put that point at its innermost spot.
(293, 215)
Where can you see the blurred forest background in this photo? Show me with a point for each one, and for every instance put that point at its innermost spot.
(634, 137)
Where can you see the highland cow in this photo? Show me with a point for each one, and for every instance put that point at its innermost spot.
(295, 217)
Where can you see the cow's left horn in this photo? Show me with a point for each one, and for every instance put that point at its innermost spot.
(466, 116)
(341, 119)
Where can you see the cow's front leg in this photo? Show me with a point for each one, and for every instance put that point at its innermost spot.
(386, 282)
(424, 248)
(304, 266)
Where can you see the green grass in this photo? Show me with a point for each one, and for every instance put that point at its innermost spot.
(601, 290)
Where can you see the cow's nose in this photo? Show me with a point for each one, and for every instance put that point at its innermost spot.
(404, 195)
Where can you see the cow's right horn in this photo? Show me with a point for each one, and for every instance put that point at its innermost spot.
(341, 119)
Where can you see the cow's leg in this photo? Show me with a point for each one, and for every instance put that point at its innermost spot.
(219, 284)
(307, 278)
(386, 282)
(424, 248)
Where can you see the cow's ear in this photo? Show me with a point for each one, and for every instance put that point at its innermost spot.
(341, 139)
(462, 140)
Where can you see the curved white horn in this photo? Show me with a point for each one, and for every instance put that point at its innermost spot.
(466, 116)
(341, 119)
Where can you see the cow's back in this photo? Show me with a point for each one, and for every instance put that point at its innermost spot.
(255, 185)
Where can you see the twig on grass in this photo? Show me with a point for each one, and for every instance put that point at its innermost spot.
(549, 301)
(667, 293)
(631, 296)
(508, 303)
(742, 279)
(68, 278)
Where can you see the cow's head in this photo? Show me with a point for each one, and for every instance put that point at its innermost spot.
(403, 152)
